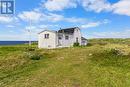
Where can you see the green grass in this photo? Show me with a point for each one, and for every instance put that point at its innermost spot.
(91, 66)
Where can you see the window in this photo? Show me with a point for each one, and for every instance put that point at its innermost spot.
(77, 40)
(46, 36)
(60, 38)
(66, 37)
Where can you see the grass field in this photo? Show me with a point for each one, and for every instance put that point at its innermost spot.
(103, 63)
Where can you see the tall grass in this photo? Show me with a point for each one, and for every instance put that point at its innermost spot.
(97, 65)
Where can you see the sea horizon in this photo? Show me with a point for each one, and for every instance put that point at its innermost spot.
(14, 42)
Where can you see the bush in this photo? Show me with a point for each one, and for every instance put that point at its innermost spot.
(102, 43)
(76, 44)
(31, 49)
(35, 57)
(89, 44)
(117, 52)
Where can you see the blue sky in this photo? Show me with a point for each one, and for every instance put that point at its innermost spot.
(96, 18)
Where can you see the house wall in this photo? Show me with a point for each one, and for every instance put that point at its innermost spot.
(67, 43)
(77, 34)
(63, 42)
(72, 38)
(84, 42)
(51, 42)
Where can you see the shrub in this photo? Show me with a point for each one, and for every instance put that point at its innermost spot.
(76, 44)
(35, 57)
(30, 49)
(116, 52)
(89, 44)
(102, 43)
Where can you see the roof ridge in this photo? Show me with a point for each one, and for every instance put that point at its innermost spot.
(68, 28)
(47, 30)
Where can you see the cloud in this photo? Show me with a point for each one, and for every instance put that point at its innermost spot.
(7, 19)
(116, 34)
(54, 17)
(30, 27)
(75, 20)
(122, 7)
(36, 16)
(37, 28)
(48, 26)
(96, 5)
(30, 15)
(13, 37)
(95, 24)
(59, 5)
(90, 25)
(10, 26)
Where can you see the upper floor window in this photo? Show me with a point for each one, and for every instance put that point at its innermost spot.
(66, 37)
(46, 36)
(77, 40)
(60, 38)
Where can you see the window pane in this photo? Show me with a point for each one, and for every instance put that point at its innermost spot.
(46, 36)
(66, 37)
(60, 38)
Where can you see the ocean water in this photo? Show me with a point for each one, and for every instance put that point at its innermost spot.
(14, 42)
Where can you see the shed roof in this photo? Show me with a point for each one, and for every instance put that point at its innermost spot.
(83, 38)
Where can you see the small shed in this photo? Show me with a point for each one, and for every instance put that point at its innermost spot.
(83, 41)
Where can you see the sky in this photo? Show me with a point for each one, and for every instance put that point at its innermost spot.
(95, 18)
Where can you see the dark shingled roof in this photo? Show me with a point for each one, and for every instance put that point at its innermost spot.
(67, 30)
(83, 38)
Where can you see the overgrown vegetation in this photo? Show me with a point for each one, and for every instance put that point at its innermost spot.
(96, 65)
(75, 44)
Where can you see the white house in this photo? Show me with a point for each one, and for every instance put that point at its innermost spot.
(62, 38)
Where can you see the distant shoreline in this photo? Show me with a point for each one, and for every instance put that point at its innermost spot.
(14, 42)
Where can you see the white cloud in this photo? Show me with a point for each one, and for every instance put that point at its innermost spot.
(115, 34)
(95, 24)
(13, 37)
(30, 15)
(106, 21)
(6, 19)
(90, 25)
(58, 5)
(54, 17)
(96, 5)
(30, 27)
(122, 7)
(36, 16)
(10, 26)
(75, 20)
(48, 26)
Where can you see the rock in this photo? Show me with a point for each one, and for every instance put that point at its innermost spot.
(90, 54)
